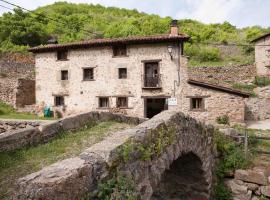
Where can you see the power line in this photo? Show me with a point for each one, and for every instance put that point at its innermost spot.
(6, 7)
(41, 15)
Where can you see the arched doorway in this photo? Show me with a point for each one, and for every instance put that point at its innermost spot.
(183, 181)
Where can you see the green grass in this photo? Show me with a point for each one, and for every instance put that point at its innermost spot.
(262, 81)
(18, 163)
(8, 112)
(245, 87)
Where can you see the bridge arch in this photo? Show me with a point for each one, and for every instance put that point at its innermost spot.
(185, 179)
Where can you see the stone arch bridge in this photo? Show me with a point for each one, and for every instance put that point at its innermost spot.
(168, 157)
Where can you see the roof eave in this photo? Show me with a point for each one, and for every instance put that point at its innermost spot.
(220, 88)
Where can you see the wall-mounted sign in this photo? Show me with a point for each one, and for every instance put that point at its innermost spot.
(172, 101)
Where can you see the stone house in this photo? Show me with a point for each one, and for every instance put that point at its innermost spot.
(139, 76)
(262, 54)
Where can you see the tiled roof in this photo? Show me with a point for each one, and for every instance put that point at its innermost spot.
(114, 41)
(219, 87)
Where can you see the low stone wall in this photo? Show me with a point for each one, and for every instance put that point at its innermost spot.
(239, 73)
(140, 156)
(34, 134)
(252, 184)
(7, 126)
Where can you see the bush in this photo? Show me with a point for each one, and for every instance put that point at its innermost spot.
(223, 119)
(202, 53)
(261, 81)
(231, 158)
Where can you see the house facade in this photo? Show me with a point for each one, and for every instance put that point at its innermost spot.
(262, 55)
(139, 76)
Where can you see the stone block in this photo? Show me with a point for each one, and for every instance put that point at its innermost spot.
(67, 179)
(265, 190)
(252, 176)
(50, 130)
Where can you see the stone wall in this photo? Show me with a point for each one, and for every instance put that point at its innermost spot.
(239, 73)
(216, 103)
(17, 79)
(258, 108)
(7, 126)
(21, 134)
(129, 153)
(262, 56)
(251, 184)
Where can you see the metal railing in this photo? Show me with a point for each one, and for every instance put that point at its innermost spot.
(152, 81)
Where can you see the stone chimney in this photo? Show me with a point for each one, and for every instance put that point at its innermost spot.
(174, 28)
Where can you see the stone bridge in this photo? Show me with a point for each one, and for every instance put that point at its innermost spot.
(168, 157)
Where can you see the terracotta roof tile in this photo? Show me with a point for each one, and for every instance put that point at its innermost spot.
(114, 41)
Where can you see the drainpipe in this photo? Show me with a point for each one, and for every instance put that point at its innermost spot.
(177, 82)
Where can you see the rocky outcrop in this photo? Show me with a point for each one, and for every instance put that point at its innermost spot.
(172, 136)
(251, 184)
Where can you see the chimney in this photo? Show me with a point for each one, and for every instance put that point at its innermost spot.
(174, 28)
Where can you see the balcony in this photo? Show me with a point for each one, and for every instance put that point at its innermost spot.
(152, 82)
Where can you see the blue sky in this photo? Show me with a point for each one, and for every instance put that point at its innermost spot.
(238, 12)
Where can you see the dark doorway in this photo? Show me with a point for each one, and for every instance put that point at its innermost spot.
(183, 181)
(154, 106)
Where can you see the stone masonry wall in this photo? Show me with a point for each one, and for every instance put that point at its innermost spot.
(81, 96)
(262, 56)
(20, 134)
(216, 103)
(122, 153)
(240, 73)
(15, 71)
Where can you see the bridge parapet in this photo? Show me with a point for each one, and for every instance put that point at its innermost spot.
(132, 163)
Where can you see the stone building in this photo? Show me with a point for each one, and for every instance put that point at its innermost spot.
(139, 76)
(262, 54)
(17, 79)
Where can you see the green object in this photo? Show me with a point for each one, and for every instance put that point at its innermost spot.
(47, 112)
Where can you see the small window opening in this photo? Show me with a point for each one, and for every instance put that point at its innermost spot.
(104, 102)
(122, 102)
(88, 74)
(64, 75)
(62, 55)
(59, 101)
(122, 73)
(197, 104)
(119, 51)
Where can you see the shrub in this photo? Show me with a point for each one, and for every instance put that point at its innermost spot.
(262, 81)
(231, 158)
(202, 53)
(224, 119)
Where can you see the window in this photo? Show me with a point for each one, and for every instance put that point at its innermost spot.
(59, 101)
(122, 102)
(119, 51)
(62, 55)
(122, 73)
(103, 102)
(88, 74)
(64, 75)
(197, 104)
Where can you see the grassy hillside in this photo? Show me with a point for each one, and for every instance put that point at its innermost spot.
(72, 22)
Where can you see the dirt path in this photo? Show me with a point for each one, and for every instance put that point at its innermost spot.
(263, 125)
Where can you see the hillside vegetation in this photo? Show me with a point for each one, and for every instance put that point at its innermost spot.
(73, 22)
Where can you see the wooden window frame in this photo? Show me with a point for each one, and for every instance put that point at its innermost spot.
(99, 102)
(59, 101)
(60, 57)
(202, 107)
(63, 78)
(93, 74)
(116, 49)
(120, 75)
(118, 105)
